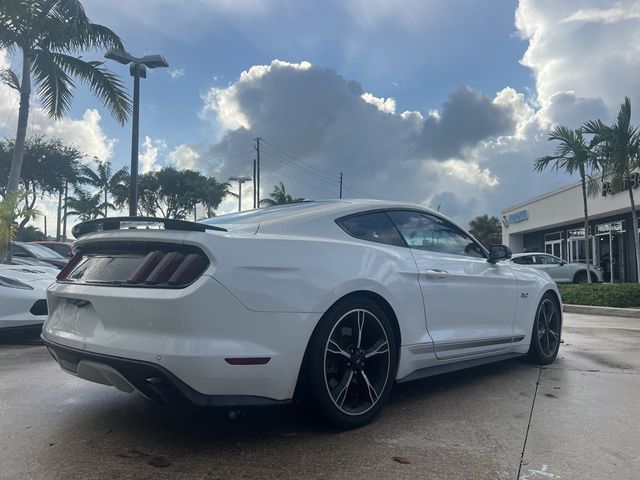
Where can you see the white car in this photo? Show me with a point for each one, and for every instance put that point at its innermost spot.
(23, 296)
(339, 299)
(558, 269)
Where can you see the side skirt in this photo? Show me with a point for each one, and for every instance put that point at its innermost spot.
(455, 366)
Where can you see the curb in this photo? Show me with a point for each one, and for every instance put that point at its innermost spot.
(608, 311)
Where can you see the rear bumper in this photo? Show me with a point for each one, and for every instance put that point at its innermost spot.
(152, 381)
(190, 333)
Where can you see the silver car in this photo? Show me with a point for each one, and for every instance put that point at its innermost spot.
(558, 269)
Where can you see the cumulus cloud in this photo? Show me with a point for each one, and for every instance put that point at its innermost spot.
(316, 124)
(176, 73)
(184, 157)
(151, 150)
(86, 132)
(590, 48)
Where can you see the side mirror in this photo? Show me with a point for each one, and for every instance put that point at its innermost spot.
(562, 263)
(499, 252)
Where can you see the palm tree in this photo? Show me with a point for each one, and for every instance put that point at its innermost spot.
(84, 205)
(12, 207)
(104, 180)
(618, 146)
(50, 35)
(573, 155)
(279, 196)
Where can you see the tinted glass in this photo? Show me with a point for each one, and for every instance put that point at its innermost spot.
(548, 260)
(426, 232)
(374, 227)
(528, 260)
(59, 249)
(39, 251)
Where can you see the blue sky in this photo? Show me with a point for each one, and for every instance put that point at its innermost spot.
(466, 45)
(440, 102)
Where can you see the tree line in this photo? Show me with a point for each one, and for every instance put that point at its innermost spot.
(89, 188)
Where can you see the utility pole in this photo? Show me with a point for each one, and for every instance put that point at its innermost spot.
(340, 184)
(257, 176)
(255, 194)
(45, 228)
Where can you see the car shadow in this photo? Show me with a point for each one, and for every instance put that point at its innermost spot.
(191, 425)
(29, 336)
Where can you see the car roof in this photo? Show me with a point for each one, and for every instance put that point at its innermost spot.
(308, 218)
(526, 254)
(308, 209)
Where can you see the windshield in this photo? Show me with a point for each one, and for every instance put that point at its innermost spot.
(39, 251)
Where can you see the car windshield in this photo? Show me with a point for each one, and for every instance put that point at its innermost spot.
(39, 251)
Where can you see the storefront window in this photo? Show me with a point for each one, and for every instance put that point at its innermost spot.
(553, 244)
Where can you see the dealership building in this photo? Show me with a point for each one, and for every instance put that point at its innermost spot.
(554, 223)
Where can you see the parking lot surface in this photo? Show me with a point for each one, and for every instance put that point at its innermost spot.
(576, 419)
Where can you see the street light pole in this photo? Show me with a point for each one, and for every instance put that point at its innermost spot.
(138, 69)
(135, 140)
(240, 181)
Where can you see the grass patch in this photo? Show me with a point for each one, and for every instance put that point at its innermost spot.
(622, 295)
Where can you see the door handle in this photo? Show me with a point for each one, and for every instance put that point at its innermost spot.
(436, 274)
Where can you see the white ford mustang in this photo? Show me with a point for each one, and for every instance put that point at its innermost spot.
(23, 303)
(340, 299)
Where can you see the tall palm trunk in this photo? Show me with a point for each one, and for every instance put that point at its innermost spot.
(23, 119)
(634, 223)
(106, 204)
(586, 223)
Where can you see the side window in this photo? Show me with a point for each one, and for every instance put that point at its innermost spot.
(426, 232)
(549, 260)
(527, 260)
(374, 227)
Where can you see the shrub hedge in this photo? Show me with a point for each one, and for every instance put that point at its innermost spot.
(622, 295)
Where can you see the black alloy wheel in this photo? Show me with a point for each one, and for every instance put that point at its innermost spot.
(353, 363)
(545, 339)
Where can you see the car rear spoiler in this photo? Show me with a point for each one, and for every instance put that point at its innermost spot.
(117, 223)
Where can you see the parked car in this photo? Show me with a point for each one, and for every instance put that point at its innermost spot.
(31, 262)
(61, 248)
(23, 301)
(33, 250)
(340, 299)
(558, 269)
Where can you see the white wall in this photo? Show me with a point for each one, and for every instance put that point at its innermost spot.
(563, 206)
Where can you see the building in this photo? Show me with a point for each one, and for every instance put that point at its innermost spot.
(554, 223)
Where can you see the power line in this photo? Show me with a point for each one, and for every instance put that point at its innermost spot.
(301, 173)
(304, 168)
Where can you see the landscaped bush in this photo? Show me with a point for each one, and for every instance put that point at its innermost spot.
(624, 295)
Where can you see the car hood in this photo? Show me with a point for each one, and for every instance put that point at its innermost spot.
(38, 277)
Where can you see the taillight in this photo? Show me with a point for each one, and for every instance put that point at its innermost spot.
(136, 265)
(64, 273)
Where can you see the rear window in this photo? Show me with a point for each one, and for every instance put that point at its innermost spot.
(373, 227)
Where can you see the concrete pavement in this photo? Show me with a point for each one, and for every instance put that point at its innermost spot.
(577, 418)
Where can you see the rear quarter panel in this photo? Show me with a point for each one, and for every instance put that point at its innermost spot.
(273, 273)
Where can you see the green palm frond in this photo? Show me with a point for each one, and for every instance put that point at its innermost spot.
(9, 77)
(55, 86)
(105, 85)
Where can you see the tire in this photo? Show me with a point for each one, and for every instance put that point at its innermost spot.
(351, 369)
(594, 278)
(546, 332)
(580, 277)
